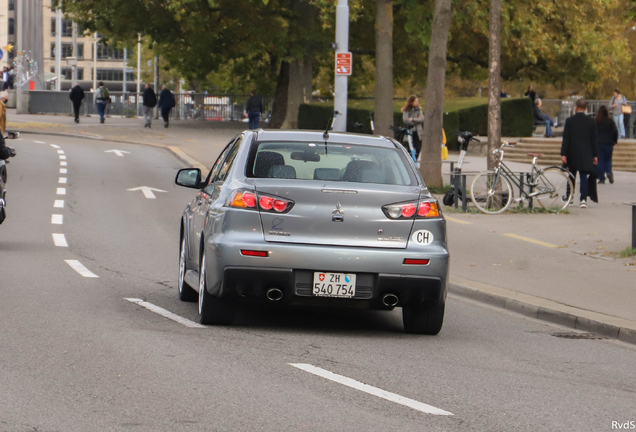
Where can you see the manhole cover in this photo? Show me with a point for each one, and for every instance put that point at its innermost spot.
(573, 335)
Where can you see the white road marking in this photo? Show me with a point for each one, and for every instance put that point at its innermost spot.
(58, 204)
(78, 267)
(62, 180)
(147, 191)
(59, 240)
(63, 171)
(156, 309)
(419, 406)
(39, 142)
(60, 152)
(57, 219)
(53, 145)
(63, 163)
(117, 152)
(62, 157)
(61, 191)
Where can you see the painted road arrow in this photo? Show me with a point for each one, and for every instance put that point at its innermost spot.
(147, 191)
(117, 152)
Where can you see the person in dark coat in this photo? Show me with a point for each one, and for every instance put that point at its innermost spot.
(166, 103)
(579, 150)
(150, 102)
(254, 108)
(607, 139)
(531, 94)
(76, 96)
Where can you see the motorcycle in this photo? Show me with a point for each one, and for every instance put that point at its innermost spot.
(464, 138)
(10, 152)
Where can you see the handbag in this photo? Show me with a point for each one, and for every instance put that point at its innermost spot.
(626, 109)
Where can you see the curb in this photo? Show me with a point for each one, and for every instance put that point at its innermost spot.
(546, 310)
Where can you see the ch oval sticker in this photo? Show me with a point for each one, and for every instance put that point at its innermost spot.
(423, 237)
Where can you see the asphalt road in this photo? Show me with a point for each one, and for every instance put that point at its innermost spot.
(75, 355)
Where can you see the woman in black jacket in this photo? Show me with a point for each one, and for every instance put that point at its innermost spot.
(607, 138)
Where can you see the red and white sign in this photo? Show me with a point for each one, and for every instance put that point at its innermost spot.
(343, 63)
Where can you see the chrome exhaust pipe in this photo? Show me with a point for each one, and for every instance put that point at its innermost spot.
(390, 300)
(274, 294)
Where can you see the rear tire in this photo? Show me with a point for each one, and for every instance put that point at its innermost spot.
(559, 186)
(212, 310)
(424, 319)
(186, 293)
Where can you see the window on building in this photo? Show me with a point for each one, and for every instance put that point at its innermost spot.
(109, 53)
(80, 51)
(52, 26)
(11, 26)
(114, 75)
(67, 73)
(67, 50)
(11, 4)
(67, 28)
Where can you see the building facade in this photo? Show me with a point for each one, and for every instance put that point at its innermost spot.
(95, 61)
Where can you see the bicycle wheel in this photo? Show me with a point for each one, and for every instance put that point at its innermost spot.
(554, 189)
(488, 197)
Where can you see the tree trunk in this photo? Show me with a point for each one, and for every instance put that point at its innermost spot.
(300, 83)
(494, 82)
(431, 155)
(279, 110)
(384, 67)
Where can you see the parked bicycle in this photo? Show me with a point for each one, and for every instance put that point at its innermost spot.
(492, 192)
(400, 133)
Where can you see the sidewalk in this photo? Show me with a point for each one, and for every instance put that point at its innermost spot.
(561, 268)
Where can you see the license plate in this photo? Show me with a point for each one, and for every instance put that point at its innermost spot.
(342, 285)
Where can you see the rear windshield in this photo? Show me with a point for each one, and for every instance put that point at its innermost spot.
(330, 162)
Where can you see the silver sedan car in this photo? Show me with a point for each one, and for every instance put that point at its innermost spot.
(299, 217)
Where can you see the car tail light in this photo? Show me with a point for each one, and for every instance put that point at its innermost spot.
(411, 261)
(407, 210)
(252, 200)
(262, 254)
(243, 199)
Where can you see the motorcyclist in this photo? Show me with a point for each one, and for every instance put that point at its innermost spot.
(5, 152)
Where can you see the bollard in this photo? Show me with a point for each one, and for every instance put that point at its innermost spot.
(633, 204)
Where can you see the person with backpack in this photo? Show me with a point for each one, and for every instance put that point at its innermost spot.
(101, 98)
(76, 96)
(166, 103)
(150, 102)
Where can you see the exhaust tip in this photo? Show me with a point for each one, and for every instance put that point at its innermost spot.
(390, 300)
(274, 294)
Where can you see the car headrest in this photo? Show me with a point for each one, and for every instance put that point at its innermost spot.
(354, 170)
(282, 171)
(265, 161)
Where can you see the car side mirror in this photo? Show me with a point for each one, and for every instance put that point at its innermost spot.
(189, 177)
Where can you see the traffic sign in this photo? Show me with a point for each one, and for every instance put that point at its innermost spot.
(343, 63)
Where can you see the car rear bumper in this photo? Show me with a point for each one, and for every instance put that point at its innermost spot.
(290, 268)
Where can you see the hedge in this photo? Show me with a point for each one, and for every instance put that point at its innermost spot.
(516, 119)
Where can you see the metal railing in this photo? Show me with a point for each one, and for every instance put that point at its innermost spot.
(188, 105)
(565, 109)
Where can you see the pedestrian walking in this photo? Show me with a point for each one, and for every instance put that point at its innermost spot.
(166, 103)
(542, 119)
(253, 109)
(4, 98)
(101, 98)
(76, 97)
(412, 116)
(579, 150)
(616, 103)
(150, 102)
(531, 94)
(607, 139)
(10, 77)
(5, 78)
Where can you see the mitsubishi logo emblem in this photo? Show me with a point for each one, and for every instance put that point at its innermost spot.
(338, 210)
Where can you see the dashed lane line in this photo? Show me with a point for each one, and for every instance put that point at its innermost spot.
(63, 171)
(53, 145)
(459, 221)
(57, 219)
(62, 180)
(39, 142)
(531, 240)
(63, 163)
(60, 240)
(58, 204)
(61, 191)
(419, 406)
(60, 152)
(62, 157)
(79, 267)
(164, 313)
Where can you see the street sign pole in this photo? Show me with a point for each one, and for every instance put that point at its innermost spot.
(341, 80)
(58, 48)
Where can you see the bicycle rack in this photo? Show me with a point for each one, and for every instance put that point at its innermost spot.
(633, 204)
